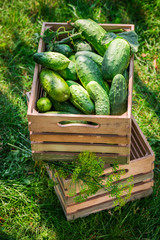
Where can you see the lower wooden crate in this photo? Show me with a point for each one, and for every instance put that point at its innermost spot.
(140, 167)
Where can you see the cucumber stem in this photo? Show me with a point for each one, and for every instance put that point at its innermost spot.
(68, 39)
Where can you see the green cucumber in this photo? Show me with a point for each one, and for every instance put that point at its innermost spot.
(79, 97)
(81, 45)
(92, 32)
(118, 95)
(100, 98)
(107, 87)
(52, 60)
(126, 76)
(72, 58)
(95, 57)
(88, 70)
(63, 49)
(65, 107)
(66, 122)
(54, 85)
(44, 104)
(55, 112)
(69, 72)
(116, 58)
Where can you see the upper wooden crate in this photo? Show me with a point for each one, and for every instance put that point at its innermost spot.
(50, 140)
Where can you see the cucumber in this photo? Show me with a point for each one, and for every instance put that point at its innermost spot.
(66, 122)
(72, 58)
(69, 72)
(44, 104)
(52, 60)
(95, 57)
(79, 97)
(126, 76)
(55, 112)
(81, 45)
(118, 95)
(92, 32)
(116, 58)
(88, 70)
(100, 98)
(65, 107)
(107, 87)
(54, 85)
(63, 49)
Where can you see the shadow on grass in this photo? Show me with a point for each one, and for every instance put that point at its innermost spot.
(150, 96)
(4, 236)
(18, 64)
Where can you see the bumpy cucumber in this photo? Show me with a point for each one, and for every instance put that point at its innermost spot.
(72, 58)
(52, 60)
(55, 112)
(88, 70)
(95, 57)
(118, 95)
(69, 72)
(65, 107)
(79, 97)
(107, 87)
(92, 32)
(126, 76)
(116, 58)
(81, 45)
(64, 49)
(100, 98)
(54, 85)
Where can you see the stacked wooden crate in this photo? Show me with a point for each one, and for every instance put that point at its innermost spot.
(109, 137)
(140, 167)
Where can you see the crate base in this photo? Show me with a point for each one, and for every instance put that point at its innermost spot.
(100, 207)
(140, 167)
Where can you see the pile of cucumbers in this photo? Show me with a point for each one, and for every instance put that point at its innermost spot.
(85, 73)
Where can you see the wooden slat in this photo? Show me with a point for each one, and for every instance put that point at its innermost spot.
(135, 168)
(35, 84)
(99, 200)
(56, 25)
(142, 138)
(48, 123)
(81, 210)
(106, 205)
(74, 147)
(79, 138)
(68, 156)
(70, 200)
(138, 150)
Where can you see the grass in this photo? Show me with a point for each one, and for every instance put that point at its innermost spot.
(29, 208)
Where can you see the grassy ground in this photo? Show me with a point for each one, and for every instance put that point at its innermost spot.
(29, 208)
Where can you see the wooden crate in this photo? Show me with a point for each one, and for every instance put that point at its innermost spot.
(50, 140)
(140, 167)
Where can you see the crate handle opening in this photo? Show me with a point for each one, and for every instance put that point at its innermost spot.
(77, 123)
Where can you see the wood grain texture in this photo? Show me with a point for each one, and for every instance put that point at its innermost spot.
(106, 205)
(71, 156)
(70, 209)
(106, 125)
(70, 200)
(79, 138)
(75, 147)
(137, 168)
